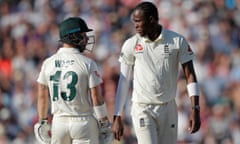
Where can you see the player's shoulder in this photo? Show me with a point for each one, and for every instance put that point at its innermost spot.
(171, 33)
(51, 59)
(86, 59)
(48, 59)
(131, 40)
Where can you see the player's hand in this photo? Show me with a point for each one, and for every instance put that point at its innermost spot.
(42, 131)
(117, 127)
(105, 132)
(195, 121)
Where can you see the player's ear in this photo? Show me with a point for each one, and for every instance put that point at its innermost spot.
(151, 19)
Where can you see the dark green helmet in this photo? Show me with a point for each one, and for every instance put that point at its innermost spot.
(73, 25)
(70, 32)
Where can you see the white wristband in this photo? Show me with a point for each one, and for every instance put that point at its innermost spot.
(193, 89)
(100, 111)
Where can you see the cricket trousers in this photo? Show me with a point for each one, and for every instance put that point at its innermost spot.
(155, 123)
(75, 130)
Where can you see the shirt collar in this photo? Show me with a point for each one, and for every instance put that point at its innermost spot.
(159, 38)
(68, 50)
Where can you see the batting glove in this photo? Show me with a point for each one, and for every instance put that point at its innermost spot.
(105, 130)
(42, 132)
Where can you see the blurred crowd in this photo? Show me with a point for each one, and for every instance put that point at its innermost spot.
(29, 34)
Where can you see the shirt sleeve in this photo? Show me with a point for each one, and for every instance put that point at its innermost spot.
(123, 88)
(94, 75)
(186, 53)
(127, 52)
(42, 78)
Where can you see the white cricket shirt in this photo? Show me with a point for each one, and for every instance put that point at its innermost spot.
(155, 65)
(69, 75)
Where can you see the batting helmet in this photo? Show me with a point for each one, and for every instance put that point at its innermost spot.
(70, 31)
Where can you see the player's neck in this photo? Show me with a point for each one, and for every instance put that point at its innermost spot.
(153, 35)
(65, 45)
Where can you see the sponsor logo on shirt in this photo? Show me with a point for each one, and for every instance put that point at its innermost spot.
(138, 48)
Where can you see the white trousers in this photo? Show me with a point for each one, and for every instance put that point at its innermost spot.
(155, 123)
(75, 130)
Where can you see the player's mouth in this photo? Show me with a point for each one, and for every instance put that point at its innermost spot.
(139, 31)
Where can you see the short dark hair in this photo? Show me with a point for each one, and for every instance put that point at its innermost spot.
(149, 9)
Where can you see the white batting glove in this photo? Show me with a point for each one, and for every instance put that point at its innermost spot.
(42, 132)
(105, 132)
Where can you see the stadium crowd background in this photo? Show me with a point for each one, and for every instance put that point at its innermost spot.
(29, 34)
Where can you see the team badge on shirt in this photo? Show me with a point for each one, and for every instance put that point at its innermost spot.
(138, 48)
(166, 49)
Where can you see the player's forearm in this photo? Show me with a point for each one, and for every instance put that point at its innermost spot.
(43, 100)
(189, 72)
(97, 98)
(99, 105)
(192, 85)
(193, 93)
(195, 100)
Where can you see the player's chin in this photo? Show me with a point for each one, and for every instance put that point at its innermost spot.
(140, 33)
